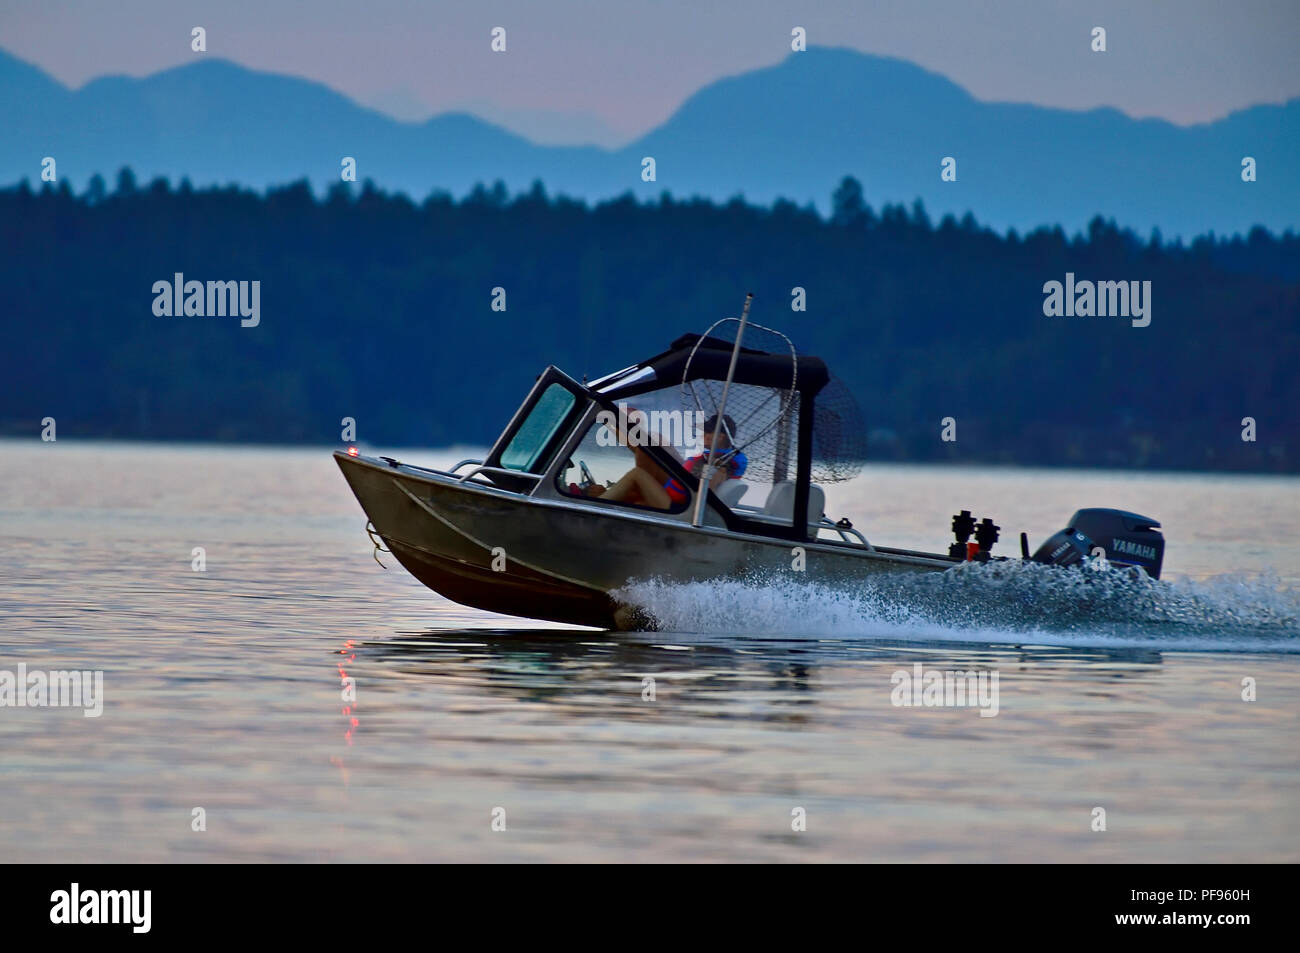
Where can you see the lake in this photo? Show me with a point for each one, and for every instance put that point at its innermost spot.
(771, 733)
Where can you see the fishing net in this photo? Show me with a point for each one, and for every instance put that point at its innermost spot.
(765, 419)
(839, 443)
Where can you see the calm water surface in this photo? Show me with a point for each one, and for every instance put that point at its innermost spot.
(223, 688)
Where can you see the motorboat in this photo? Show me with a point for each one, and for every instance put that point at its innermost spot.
(565, 510)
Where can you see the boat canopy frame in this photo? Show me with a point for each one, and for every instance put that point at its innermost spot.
(674, 366)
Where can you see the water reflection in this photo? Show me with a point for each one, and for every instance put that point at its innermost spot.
(580, 668)
(651, 648)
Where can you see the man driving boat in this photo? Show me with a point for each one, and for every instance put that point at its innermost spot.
(649, 484)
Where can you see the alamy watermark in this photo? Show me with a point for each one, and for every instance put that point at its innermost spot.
(1086, 299)
(129, 907)
(213, 299)
(942, 689)
(656, 428)
(56, 689)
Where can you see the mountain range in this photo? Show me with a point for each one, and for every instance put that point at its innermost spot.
(791, 131)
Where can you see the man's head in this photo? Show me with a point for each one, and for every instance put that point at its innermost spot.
(724, 437)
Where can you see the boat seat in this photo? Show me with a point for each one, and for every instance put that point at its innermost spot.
(780, 502)
(731, 491)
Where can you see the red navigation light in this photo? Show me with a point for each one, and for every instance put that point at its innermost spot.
(352, 451)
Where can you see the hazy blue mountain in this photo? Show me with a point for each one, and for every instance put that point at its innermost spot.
(217, 122)
(791, 130)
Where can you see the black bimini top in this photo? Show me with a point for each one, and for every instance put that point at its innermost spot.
(711, 361)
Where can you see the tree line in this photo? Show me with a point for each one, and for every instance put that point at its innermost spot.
(379, 307)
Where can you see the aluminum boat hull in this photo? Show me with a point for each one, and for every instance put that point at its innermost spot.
(548, 559)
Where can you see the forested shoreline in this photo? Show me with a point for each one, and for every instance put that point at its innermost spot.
(381, 308)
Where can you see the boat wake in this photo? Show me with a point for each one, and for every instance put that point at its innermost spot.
(1011, 602)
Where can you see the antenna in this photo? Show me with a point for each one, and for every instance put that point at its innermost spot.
(698, 516)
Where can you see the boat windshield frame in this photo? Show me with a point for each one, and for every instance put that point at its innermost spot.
(573, 428)
(558, 437)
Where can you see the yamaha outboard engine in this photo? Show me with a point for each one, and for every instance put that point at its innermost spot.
(1126, 538)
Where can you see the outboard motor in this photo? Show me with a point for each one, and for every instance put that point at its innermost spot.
(1126, 538)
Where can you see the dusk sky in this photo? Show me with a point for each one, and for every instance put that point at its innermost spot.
(581, 70)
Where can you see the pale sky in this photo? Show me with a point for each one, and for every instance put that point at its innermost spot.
(609, 70)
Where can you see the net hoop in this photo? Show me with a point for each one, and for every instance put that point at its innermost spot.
(787, 394)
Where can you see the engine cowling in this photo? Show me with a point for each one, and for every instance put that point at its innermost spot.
(1127, 539)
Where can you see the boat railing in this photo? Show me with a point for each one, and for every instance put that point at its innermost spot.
(844, 531)
(479, 469)
(501, 471)
(394, 463)
(756, 513)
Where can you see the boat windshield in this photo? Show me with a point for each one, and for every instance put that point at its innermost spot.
(536, 433)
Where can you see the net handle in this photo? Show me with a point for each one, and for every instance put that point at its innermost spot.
(707, 479)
